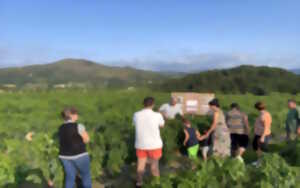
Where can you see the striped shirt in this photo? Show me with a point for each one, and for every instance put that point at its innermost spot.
(236, 122)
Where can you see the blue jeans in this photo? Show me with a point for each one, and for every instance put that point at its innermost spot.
(72, 166)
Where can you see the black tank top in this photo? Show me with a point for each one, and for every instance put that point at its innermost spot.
(70, 142)
(193, 137)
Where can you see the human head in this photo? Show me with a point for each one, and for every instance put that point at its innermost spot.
(260, 106)
(70, 114)
(173, 100)
(186, 122)
(292, 104)
(214, 104)
(235, 106)
(149, 102)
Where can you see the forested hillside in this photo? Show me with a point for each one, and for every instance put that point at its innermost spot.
(87, 74)
(243, 79)
(79, 72)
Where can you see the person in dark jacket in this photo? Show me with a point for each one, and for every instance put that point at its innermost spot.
(72, 149)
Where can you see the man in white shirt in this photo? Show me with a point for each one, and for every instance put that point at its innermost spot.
(170, 110)
(148, 142)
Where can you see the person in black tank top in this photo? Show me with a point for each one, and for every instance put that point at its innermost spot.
(191, 141)
(72, 150)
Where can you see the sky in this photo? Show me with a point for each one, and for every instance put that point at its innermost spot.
(167, 35)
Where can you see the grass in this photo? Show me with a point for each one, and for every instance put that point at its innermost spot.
(107, 115)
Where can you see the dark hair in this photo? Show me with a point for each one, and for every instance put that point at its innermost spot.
(260, 106)
(67, 112)
(214, 102)
(235, 105)
(292, 101)
(185, 121)
(148, 101)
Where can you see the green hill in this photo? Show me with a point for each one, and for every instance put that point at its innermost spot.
(83, 73)
(296, 71)
(243, 79)
(80, 72)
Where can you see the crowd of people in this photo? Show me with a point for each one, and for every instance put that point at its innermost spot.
(228, 135)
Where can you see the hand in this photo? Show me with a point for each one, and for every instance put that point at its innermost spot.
(202, 138)
(206, 135)
(298, 131)
(262, 139)
(184, 143)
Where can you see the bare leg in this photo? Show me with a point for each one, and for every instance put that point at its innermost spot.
(155, 168)
(141, 165)
(288, 136)
(205, 152)
(259, 153)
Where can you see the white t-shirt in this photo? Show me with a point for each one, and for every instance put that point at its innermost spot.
(147, 132)
(171, 111)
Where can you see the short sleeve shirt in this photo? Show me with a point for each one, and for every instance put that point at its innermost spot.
(292, 117)
(81, 129)
(171, 110)
(147, 129)
(236, 122)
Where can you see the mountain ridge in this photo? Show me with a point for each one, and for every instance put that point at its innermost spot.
(258, 80)
(77, 71)
(86, 73)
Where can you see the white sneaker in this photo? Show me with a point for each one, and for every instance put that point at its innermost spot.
(256, 164)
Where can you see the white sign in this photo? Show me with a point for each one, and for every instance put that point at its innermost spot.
(194, 103)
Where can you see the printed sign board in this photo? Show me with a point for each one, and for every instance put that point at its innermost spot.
(194, 103)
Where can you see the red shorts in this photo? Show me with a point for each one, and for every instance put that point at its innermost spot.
(152, 154)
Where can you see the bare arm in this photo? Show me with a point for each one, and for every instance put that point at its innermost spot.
(214, 124)
(85, 137)
(164, 114)
(162, 111)
(199, 137)
(187, 136)
(265, 130)
(247, 124)
(161, 122)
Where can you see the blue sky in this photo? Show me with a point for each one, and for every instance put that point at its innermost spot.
(152, 34)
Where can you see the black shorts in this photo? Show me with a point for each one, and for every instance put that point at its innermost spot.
(258, 145)
(239, 140)
(206, 142)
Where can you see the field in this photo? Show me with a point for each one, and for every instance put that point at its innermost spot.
(107, 115)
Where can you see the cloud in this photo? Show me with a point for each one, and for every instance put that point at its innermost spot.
(208, 61)
(182, 61)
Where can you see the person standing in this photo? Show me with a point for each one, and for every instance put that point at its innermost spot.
(292, 119)
(238, 125)
(191, 140)
(219, 131)
(148, 142)
(262, 129)
(171, 109)
(72, 149)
